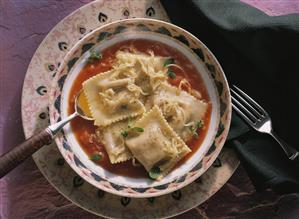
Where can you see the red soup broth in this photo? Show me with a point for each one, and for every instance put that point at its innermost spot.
(84, 129)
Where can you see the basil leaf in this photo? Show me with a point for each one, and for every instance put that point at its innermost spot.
(138, 129)
(198, 124)
(96, 157)
(168, 62)
(154, 173)
(124, 133)
(171, 74)
(94, 56)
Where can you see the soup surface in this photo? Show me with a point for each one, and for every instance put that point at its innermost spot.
(85, 130)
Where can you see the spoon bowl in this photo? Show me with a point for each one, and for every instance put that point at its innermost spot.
(81, 106)
(20, 153)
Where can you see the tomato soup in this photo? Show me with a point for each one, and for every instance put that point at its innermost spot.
(85, 130)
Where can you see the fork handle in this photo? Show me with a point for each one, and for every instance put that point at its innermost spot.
(291, 152)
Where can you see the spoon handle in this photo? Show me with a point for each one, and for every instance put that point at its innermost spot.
(18, 154)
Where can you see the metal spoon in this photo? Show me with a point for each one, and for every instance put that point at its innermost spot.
(20, 153)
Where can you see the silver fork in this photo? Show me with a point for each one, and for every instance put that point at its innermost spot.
(257, 118)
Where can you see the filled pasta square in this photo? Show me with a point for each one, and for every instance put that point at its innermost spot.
(158, 146)
(181, 110)
(113, 142)
(110, 99)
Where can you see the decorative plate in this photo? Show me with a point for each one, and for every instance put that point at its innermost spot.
(41, 71)
(210, 72)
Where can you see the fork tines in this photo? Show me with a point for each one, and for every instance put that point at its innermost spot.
(244, 105)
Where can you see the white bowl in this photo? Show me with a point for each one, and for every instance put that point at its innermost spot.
(210, 71)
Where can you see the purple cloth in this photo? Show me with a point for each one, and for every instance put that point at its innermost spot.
(275, 7)
(23, 25)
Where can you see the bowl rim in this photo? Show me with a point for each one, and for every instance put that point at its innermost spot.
(71, 52)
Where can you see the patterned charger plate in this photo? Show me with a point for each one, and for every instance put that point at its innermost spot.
(39, 76)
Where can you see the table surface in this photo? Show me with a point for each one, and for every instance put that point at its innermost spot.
(23, 25)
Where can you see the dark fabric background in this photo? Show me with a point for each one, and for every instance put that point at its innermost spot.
(260, 54)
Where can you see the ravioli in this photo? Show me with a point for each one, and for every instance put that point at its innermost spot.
(114, 142)
(110, 100)
(180, 108)
(158, 146)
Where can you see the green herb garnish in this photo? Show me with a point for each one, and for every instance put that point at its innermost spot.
(196, 125)
(96, 157)
(130, 128)
(137, 129)
(94, 56)
(170, 73)
(124, 133)
(154, 173)
(168, 62)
